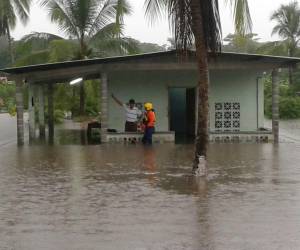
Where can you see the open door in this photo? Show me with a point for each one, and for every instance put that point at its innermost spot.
(191, 112)
(182, 113)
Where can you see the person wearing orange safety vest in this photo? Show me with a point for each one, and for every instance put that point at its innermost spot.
(149, 122)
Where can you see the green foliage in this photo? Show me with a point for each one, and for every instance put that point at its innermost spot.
(62, 50)
(7, 94)
(10, 12)
(58, 116)
(289, 107)
(247, 43)
(63, 99)
(92, 92)
(276, 48)
(241, 16)
(150, 47)
(289, 103)
(38, 57)
(287, 18)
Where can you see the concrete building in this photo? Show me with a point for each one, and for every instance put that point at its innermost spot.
(170, 82)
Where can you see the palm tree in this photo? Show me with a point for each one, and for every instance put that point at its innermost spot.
(9, 11)
(288, 27)
(85, 21)
(198, 21)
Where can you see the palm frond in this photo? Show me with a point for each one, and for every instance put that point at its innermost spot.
(181, 23)
(8, 16)
(88, 20)
(211, 24)
(155, 9)
(287, 18)
(60, 11)
(180, 20)
(22, 9)
(108, 32)
(122, 8)
(105, 16)
(241, 16)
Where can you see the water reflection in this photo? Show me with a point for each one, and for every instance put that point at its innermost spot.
(135, 197)
(149, 164)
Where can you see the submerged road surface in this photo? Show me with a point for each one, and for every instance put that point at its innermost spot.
(141, 198)
(8, 129)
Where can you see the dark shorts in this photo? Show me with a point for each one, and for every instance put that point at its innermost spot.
(147, 138)
(130, 127)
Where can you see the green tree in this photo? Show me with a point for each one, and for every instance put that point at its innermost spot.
(198, 22)
(287, 18)
(10, 10)
(276, 48)
(36, 48)
(247, 43)
(85, 21)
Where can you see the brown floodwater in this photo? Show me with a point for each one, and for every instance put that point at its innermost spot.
(132, 197)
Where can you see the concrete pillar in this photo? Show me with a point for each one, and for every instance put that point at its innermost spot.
(50, 113)
(31, 111)
(104, 107)
(20, 111)
(41, 110)
(275, 105)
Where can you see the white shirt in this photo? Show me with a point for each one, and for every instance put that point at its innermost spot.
(132, 114)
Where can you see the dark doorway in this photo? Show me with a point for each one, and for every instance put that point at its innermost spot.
(182, 113)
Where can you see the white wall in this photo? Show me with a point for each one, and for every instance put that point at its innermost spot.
(226, 86)
(238, 86)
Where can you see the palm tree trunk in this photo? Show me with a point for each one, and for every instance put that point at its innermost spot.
(82, 96)
(10, 46)
(203, 85)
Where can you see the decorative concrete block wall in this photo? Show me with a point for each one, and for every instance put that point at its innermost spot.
(159, 137)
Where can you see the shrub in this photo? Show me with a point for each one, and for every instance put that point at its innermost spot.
(59, 116)
(289, 107)
(289, 103)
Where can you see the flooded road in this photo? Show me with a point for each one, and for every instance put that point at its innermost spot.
(8, 127)
(130, 197)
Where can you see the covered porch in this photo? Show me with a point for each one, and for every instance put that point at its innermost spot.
(153, 78)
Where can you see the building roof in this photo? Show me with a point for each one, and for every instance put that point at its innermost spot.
(167, 60)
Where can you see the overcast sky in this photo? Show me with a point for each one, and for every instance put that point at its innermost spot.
(137, 27)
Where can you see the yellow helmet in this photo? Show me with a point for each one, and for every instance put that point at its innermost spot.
(148, 106)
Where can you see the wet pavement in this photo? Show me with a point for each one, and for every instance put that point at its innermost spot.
(8, 127)
(129, 197)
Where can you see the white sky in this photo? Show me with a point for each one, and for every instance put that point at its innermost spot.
(137, 27)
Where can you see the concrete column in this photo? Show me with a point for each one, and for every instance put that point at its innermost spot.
(41, 110)
(275, 105)
(20, 111)
(104, 107)
(31, 111)
(50, 113)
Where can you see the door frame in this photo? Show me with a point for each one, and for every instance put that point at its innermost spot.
(196, 104)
